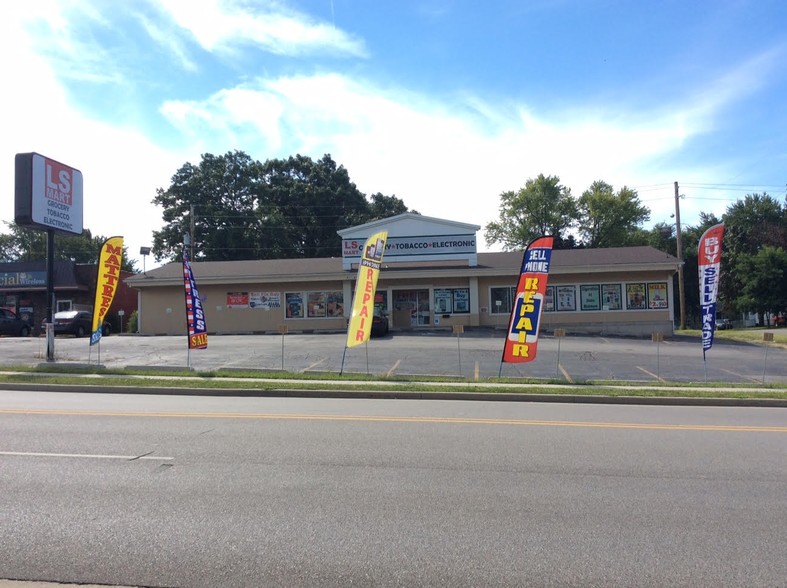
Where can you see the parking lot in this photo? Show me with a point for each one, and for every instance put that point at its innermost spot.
(471, 356)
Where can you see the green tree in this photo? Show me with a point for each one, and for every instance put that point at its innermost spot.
(382, 206)
(25, 244)
(610, 219)
(542, 207)
(223, 193)
(757, 221)
(280, 209)
(765, 288)
(307, 202)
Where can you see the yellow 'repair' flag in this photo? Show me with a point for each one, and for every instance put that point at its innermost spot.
(360, 326)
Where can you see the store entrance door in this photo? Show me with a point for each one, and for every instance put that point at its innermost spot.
(410, 309)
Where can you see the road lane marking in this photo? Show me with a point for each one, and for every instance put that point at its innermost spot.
(565, 374)
(398, 419)
(146, 456)
(651, 374)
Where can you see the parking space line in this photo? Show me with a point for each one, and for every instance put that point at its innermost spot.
(745, 377)
(651, 374)
(315, 364)
(565, 374)
(393, 368)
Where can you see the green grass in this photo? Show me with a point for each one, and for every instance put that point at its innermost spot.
(752, 335)
(254, 380)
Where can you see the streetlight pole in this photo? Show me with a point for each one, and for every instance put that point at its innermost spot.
(681, 291)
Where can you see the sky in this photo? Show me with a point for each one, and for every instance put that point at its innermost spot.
(443, 103)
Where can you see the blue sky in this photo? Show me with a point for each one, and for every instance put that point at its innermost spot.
(443, 103)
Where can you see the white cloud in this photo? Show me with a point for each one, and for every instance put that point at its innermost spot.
(443, 159)
(224, 25)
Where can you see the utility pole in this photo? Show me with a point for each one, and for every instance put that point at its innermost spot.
(681, 290)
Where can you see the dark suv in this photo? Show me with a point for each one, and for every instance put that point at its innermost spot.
(75, 322)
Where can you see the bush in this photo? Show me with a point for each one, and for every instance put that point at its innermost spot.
(133, 321)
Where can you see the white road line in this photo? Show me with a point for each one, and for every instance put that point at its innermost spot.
(651, 374)
(565, 374)
(743, 376)
(315, 364)
(394, 368)
(87, 456)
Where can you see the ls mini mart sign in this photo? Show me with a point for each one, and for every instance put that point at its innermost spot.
(48, 194)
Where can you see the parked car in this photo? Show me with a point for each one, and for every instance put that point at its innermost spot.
(723, 324)
(780, 320)
(11, 324)
(75, 322)
(379, 323)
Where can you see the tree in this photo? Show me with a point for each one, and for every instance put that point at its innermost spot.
(382, 206)
(763, 290)
(25, 244)
(609, 219)
(306, 202)
(750, 224)
(280, 209)
(223, 193)
(542, 207)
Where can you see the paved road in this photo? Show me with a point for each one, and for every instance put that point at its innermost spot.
(174, 491)
(572, 359)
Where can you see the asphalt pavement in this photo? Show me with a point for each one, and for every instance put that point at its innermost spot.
(474, 356)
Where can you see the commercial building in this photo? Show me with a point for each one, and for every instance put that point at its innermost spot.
(432, 277)
(23, 290)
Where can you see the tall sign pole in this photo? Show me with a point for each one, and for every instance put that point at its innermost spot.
(681, 290)
(48, 197)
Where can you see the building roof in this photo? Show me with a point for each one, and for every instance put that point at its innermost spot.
(408, 223)
(567, 261)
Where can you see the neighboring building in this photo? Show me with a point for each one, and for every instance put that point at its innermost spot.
(23, 290)
(432, 277)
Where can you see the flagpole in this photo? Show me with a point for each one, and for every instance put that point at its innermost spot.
(341, 370)
(705, 365)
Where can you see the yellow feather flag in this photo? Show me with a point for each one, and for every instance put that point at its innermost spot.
(360, 326)
(107, 282)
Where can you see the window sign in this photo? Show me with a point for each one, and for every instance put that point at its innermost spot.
(237, 299)
(462, 300)
(443, 303)
(334, 303)
(590, 297)
(657, 295)
(316, 307)
(549, 300)
(566, 298)
(294, 302)
(635, 296)
(265, 300)
(610, 297)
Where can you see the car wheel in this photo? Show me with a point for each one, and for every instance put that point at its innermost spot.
(80, 332)
(24, 332)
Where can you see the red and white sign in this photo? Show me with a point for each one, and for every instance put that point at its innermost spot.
(48, 194)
